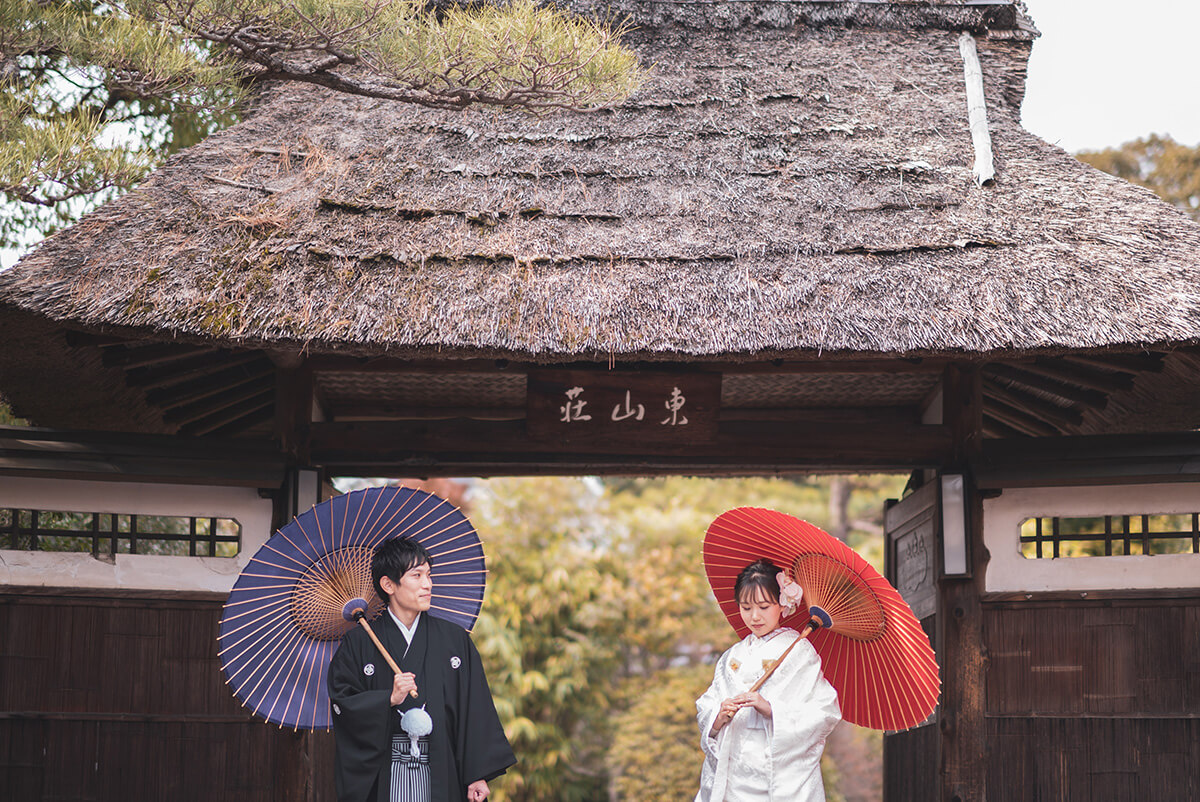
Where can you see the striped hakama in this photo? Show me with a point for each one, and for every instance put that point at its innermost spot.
(410, 775)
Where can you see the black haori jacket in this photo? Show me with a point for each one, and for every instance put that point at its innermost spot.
(467, 742)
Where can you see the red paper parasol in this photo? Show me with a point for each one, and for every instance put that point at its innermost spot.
(873, 650)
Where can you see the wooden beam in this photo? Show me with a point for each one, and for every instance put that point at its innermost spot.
(332, 364)
(231, 396)
(189, 368)
(879, 415)
(1043, 410)
(1019, 419)
(248, 421)
(501, 447)
(137, 457)
(1034, 381)
(1092, 379)
(1089, 459)
(80, 339)
(222, 418)
(998, 429)
(154, 354)
(1015, 424)
(365, 411)
(1126, 363)
(217, 384)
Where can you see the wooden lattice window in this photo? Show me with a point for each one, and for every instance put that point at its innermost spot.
(107, 534)
(1110, 535)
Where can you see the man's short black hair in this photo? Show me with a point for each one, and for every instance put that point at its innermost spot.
(394, 559)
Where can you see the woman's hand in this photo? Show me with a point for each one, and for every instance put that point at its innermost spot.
(754, 699)
(402, 685)
(733, 704)
(724, 715)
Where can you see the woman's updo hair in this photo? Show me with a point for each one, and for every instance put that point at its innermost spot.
(759, 577)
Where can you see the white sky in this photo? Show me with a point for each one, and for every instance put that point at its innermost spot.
(1105, 72)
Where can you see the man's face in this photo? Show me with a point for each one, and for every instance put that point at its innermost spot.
(413, 593)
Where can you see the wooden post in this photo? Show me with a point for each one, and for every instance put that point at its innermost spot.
(959, 618)
(294, 774)
(293, 407)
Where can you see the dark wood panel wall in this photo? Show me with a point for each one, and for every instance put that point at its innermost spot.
(1093, 699)
(1090, 759)
(911, 764)
(912, 759)
(123, 699)
(1082, 658)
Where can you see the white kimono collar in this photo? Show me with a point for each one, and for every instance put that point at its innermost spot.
(408, 632)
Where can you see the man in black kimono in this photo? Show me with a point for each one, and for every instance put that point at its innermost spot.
(438, 661)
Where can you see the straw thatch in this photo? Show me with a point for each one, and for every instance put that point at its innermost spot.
(794, 181)
(771, 190)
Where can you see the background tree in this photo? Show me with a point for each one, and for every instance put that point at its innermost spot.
(1158, 163)
(550, 632)
(9, 419)
(94, 93)
(599, 629)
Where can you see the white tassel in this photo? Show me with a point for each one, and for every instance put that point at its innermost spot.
(415, 723)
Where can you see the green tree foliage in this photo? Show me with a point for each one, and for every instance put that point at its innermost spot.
(91, 99)
(599, 629)
(550, 633)
(655, 754)
(7, 418)
(1158, 163)
(96, 92)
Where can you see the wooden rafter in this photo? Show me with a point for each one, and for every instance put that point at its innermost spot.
(1040, 383)
(1126, 363)
(190, 367)
(1099, 381)
(1019, 419)
(227, 398)
(1061, 418)
(138, 356)
(224, 420)
(214, 384)
(995, 428)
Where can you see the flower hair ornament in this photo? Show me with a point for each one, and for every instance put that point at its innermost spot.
(790, 593)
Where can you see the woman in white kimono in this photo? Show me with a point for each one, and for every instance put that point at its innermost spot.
(771, 752)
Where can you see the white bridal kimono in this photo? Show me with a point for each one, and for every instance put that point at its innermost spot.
(776, 759)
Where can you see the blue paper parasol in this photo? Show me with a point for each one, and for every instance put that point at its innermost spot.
(299, 594)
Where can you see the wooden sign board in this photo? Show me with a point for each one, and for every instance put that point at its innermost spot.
(912, 540)
(622, 407)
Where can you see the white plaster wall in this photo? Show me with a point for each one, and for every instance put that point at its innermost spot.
(1008, 571)
(135, 571)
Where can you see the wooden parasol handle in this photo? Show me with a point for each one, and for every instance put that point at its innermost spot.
(362, 619)
(807, 630)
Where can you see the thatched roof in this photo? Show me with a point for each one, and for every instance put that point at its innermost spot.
(794, 180)
(771, 190)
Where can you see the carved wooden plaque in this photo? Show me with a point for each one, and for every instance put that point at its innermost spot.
(622, 407)
(912, 549)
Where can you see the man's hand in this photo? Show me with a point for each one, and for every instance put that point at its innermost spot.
(402, 685)
(478, 791)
